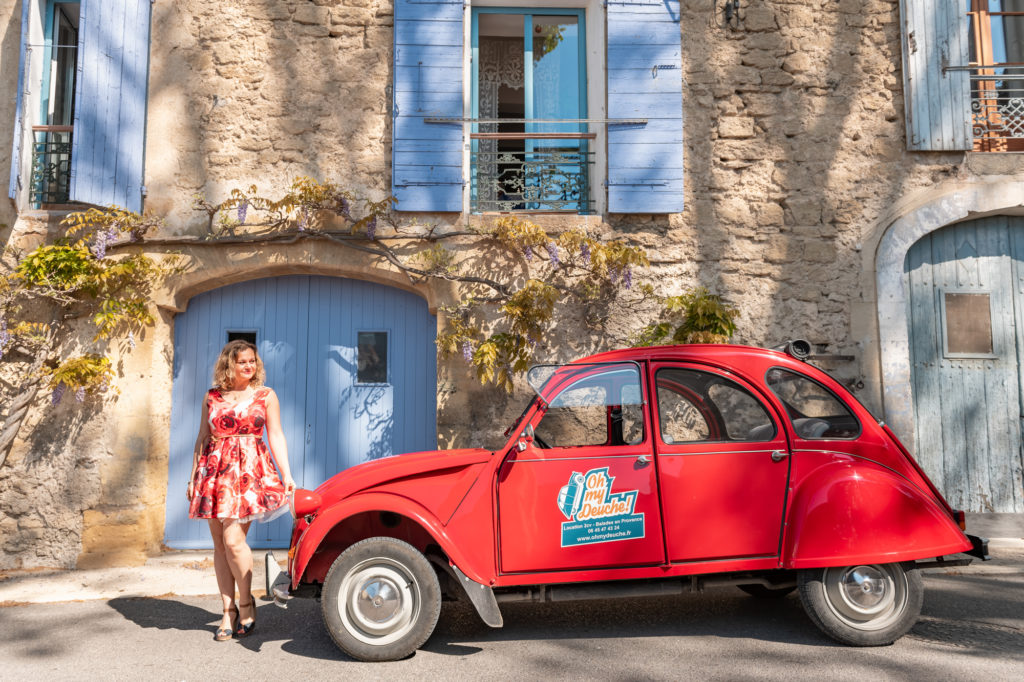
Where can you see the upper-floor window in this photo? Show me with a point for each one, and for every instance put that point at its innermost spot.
(80, 109)
(573, 108)
(996, 38)
(51, 137)
(530, 138)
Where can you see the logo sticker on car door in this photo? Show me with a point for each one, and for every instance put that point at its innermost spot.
(595, 514)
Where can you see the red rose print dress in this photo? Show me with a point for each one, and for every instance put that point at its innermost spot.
(235, 477)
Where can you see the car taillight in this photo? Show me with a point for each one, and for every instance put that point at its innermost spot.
(304, 503)
(961, 518)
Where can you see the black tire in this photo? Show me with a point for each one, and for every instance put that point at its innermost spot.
(762, 592)
(380, 600)
(863, 605)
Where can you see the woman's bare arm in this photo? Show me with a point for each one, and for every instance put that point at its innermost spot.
(275, 436)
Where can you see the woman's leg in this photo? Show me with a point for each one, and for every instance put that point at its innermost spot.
(239, 559)
(225, 579)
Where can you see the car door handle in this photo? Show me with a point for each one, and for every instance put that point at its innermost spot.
(643, 460)
(779, 455)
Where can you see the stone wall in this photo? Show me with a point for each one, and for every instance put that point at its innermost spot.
(796, 163)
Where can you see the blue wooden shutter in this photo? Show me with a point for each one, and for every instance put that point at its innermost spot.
(110, 103)
(645, 163)
(18, 104)
(426, 158)
(938, 102)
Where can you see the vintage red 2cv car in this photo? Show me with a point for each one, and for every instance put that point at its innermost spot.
(637, 472)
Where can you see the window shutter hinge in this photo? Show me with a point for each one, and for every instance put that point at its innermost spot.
(144, 190)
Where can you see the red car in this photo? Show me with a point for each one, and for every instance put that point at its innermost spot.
(643, 471)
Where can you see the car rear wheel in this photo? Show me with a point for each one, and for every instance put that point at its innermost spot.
(380, 600)
(862, 605)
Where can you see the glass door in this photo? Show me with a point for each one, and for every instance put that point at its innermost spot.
(529, 146)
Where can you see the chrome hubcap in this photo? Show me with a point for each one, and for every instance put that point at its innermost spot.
(380, 601)
(866, 597)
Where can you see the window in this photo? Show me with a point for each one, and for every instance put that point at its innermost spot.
(80, 108)
(966, 325)
(372, 360)
(602, 408)
(247, 335)
(996, 38)
(51, 145)
(530, 147)
(698, 406)
(593, 124)
(814, 412)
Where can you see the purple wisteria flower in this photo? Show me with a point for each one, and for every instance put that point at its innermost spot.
(552, 248)
(627, 277)
(467, 351)
(613, 275)
(528, 252)
(58, 394)
(80, 394)
(585, 253)
(243, 210)
(5, 336)
(131, 340)
(101, 240)
(346, 208)
(371, 228)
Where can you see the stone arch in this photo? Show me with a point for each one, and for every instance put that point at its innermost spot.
(965, 202)
(210, 265)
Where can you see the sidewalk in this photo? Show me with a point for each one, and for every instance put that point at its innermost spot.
(190, 573)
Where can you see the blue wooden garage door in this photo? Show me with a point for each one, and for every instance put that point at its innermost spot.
(966, 300)
(353, 363)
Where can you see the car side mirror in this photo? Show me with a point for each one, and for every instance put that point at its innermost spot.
(525, 438)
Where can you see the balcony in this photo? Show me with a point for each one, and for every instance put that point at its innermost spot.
(997, 108)
(531, 172)
(51, 165)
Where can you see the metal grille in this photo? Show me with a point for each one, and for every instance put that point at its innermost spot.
(552, 179)
(51, 165)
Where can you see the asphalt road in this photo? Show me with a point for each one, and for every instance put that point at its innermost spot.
(972, 627)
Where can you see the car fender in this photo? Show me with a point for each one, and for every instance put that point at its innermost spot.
(310, 540)
(850, 510)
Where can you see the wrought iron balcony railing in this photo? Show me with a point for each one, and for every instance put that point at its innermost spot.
(997, 106)
(533, 172)
(51, 165)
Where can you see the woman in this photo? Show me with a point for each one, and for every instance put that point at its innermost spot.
(233, 481)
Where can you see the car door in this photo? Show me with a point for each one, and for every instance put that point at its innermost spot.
(580, 491)
(723, 464)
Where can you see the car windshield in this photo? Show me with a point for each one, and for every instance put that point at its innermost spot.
(550, 382)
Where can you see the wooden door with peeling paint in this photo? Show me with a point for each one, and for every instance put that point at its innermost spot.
(966, 308)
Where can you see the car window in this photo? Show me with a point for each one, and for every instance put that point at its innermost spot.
(701, 406)
(815, 412)
(602, 408)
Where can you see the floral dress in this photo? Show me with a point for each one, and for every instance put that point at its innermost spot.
(235, 477)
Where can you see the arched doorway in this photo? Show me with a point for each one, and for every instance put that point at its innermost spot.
(965, 296)
(353, 363)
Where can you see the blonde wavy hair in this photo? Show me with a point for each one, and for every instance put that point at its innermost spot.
(224, 370)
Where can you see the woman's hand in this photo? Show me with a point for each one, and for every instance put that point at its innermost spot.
(289, 485)
(189, 491)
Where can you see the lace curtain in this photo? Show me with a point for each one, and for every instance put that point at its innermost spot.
(501, 64)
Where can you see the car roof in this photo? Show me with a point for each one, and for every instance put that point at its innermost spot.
(724, 353)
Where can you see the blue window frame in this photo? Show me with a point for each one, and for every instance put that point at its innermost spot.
(530, 146)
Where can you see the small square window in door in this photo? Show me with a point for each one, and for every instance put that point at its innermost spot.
(372, 359)
(967, 325)
(237, 335)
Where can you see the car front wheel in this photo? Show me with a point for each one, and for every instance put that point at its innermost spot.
(380, 600)
(862, 605)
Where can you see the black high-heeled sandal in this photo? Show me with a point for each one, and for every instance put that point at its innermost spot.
(245, 629)
(225, 634)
